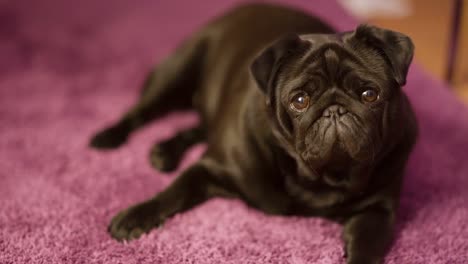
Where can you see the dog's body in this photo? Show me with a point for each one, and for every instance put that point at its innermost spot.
(339, 157)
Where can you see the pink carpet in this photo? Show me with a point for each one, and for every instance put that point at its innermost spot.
(68, 68)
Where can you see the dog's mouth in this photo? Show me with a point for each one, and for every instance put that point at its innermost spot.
(334, 146)
(337, 140)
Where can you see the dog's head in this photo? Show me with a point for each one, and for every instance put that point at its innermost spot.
(335, 99)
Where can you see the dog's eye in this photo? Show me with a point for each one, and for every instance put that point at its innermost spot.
(369, 96)
(300, 102)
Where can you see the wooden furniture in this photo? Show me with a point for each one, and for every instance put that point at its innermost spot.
(431, 26)
(458, 73)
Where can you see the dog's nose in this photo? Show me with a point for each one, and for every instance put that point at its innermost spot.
(334, 110)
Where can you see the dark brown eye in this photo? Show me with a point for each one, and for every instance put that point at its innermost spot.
(300, 102)
(369, 96)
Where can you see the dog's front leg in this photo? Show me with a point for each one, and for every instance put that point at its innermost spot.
(194, 186)
(367, 236)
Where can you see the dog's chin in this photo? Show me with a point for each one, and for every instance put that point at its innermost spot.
(338, 142)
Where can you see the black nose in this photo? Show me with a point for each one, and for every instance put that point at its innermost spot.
(334, 110)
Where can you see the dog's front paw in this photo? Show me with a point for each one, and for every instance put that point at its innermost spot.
(135, 221)
(162, 160)
(110, 138)
(362, 260)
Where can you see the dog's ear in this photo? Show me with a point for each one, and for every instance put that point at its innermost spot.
(266, 65)
(396, 48)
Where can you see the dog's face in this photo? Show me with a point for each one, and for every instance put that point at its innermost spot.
(335, 99)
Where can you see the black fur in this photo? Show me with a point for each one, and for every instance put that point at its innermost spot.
(342, 158)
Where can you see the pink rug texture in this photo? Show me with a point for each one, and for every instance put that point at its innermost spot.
(69, 68)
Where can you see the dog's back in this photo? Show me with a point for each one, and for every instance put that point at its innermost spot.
(232, 41)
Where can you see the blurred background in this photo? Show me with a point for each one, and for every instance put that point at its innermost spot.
(439, 29)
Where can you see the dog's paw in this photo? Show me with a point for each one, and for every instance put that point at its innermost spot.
(363, 260)
(133, 222)
(161, 159)
(110, 138)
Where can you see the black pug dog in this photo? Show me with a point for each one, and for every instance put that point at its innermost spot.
(299, 120)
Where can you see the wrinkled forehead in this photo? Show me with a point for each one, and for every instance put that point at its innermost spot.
(320, 39)
(332, 57)
(338, 44)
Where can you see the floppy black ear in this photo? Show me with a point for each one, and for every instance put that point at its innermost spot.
(396, 47)
(266, 65)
